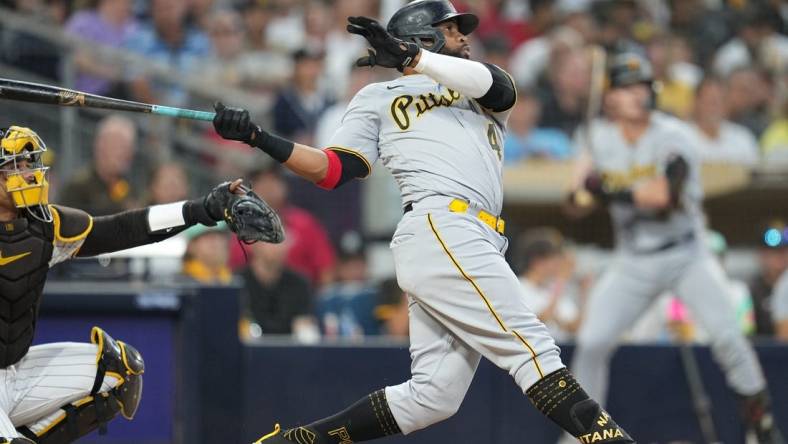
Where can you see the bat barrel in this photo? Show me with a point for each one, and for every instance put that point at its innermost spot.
(182, 113)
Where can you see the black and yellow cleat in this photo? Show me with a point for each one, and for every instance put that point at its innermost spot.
(20, 440)
(759, 420)
(274, 437)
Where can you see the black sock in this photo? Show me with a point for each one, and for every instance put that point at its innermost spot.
(559, 397)
(369, 418)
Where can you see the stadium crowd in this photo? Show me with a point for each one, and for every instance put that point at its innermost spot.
(721, 65)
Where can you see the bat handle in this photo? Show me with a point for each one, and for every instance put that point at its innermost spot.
(182, 113)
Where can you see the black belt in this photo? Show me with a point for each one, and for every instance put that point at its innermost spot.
(681, 240)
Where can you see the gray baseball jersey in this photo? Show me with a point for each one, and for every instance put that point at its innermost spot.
(623, 165)
(466, 301)
(433, 140)
(655, 254)
(780, 298)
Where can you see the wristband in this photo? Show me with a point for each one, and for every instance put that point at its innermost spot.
(194, 212)
(278, 148)
(623, 196)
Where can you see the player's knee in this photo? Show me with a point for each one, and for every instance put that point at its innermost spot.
(122, 362)
(435, 404)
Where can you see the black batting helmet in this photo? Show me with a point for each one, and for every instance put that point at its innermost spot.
(629, 68)
(416, 21)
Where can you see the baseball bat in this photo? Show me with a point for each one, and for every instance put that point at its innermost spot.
(700, 399)
(53, 95)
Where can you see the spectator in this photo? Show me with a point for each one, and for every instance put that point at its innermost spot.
(342, 48)
(495, 22)
(706, 28)
(230, 65)
(263, 68)
(757, 42)
(169, 184)
(26, 50)
(110, 23)
(103, 187)
(256, 15)
(200, 13)
(747, 99)
(346, 307)
(773, 262)
(531, 59)
(544, 270)
(169, 40)
(309, 251)
(275, 299)
(720, 140)
(564, 101)
(298, 106)
(205, 260)
(678, 75)
(392, 310)
(780, 307)
(774, 141)
(331, 118)
(524, 140)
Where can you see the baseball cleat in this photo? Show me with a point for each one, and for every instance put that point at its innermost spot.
(274, 437)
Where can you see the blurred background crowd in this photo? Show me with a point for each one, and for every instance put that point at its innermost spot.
(720, 64)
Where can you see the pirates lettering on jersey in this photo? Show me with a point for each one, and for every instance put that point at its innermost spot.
(401, 105)
(617, 180)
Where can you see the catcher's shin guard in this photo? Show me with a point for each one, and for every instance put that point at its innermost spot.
(114, 358)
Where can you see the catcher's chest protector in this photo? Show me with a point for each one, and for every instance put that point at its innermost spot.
(26, 247)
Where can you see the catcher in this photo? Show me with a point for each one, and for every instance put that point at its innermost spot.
(55, 393)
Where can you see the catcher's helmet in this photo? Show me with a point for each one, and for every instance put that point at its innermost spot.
(416, 20)
(629, 68)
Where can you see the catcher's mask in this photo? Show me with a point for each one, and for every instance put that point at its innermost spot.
(21, 164)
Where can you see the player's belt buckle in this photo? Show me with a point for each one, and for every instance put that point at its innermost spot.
(496, 223)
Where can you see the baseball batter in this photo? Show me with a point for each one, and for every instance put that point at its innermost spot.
(55, 393)
(644, 165)
(438, 129)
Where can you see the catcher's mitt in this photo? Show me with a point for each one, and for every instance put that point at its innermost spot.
(247, 215)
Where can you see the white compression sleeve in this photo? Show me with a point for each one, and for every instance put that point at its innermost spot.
(469, 78)
(161, 217)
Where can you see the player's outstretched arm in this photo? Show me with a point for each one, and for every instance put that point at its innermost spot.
(228, 201)
(325, 168)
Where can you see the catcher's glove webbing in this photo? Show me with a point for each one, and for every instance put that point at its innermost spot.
(247, 215)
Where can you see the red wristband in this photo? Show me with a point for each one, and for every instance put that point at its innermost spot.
(333, 172)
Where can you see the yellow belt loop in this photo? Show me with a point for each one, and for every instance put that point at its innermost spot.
(458, 206)
(496, 223)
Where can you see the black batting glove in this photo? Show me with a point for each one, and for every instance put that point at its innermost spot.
(234, 124)
(595, 185)
(388, 51)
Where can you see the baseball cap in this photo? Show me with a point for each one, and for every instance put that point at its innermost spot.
(774, 234)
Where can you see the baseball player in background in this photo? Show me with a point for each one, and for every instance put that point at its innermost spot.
(779, 301)
(643, 165)
(439, 130)
(55, 393)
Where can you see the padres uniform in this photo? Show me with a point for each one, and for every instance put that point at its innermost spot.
(444, 152)
(657, 251)
(56, 393)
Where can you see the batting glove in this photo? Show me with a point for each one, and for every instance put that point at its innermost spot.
(388, 51)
